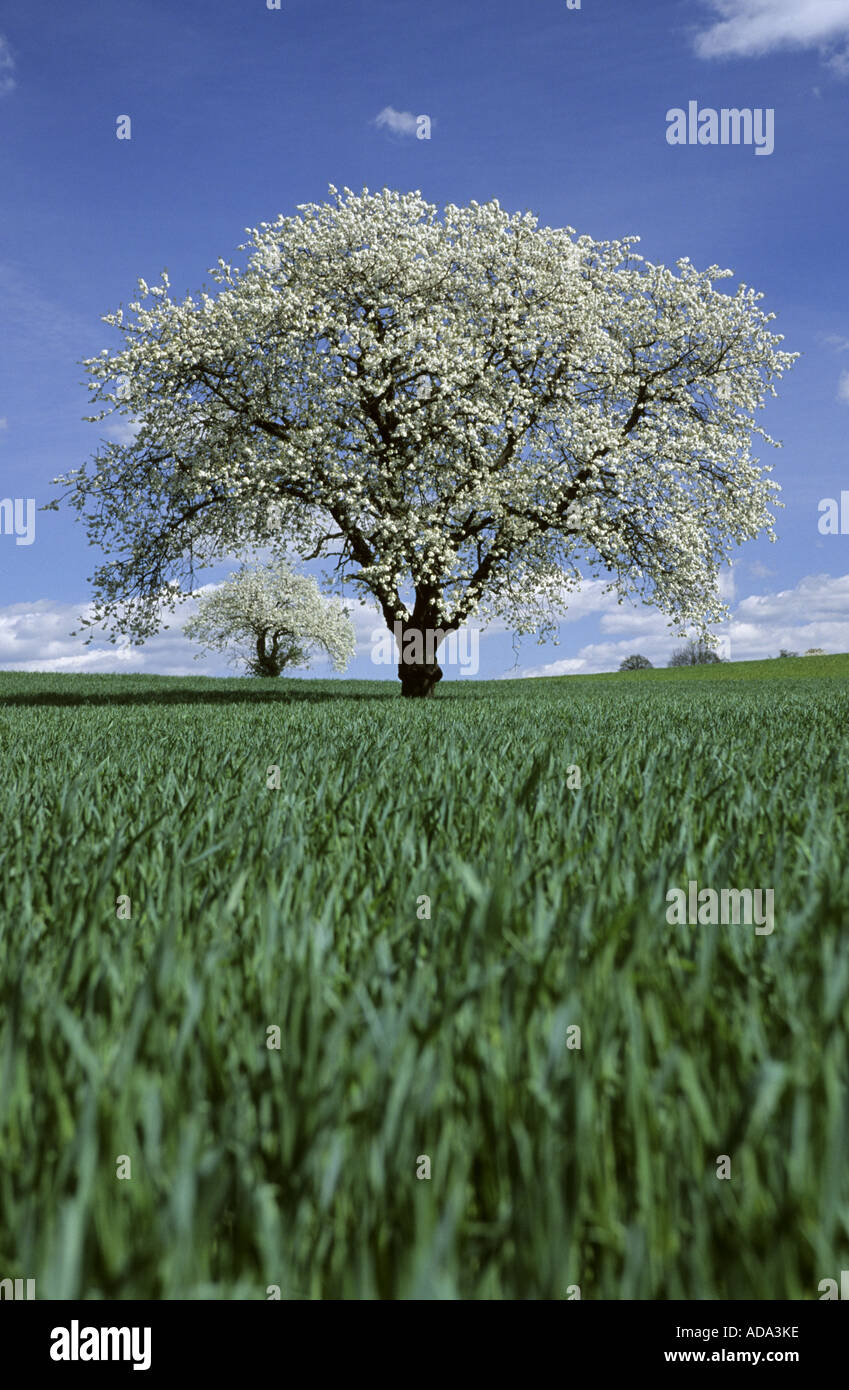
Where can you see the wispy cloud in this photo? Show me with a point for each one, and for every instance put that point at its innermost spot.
(7, 68)
(843, 388)
(399, 122)
(751, 28)
(41, 326)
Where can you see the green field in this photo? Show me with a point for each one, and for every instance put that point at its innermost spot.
(400, 1036)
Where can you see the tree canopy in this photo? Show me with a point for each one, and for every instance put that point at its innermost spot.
(466, 414)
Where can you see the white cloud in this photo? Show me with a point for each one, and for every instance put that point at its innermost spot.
(725, 584)
(124, 431)
(598, 657)
(399, 122)
(7, 68)
(843, 387)
(569, 666)
(750, 28)
(636, 621)
(37, 637)
(817, 596)
(4, 423)
(815, 613)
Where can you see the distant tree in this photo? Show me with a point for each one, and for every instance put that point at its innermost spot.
(694, 653)
(815, 651)
(784, 652)
(635, 663)
(272, 618)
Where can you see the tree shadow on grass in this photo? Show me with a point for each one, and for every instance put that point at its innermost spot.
(66, 699)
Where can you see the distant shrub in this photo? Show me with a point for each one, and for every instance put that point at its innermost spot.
(635, 663)
(815, 651)
(784, 652)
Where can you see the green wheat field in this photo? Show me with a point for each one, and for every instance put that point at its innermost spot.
(165, 910)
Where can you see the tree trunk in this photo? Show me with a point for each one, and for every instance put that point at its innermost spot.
(267, 662)
(418, 638)
(419, 679)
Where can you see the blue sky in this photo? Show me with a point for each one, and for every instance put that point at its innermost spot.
(240, 113)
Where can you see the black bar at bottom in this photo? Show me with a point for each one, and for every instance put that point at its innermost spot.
(148, 1340)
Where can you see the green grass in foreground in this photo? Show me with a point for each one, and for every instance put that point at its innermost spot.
(400, 1037)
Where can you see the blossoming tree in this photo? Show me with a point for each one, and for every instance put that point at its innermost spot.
(270, 618)
(467, 411)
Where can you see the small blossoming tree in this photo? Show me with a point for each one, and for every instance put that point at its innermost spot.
(467, 411)
(271, 618)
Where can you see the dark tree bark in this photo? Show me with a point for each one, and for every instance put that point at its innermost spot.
(418, 670)
(418, 679)
(270, 661)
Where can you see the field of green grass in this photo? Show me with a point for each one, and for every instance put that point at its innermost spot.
(164, 908)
